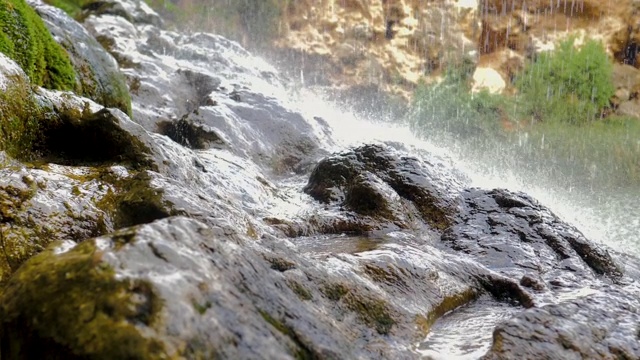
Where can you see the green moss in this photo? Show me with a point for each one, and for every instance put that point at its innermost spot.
(21, 239)
(300, 351)
(71, 7)
(70, 306)
(447, 304)
(299, 290)
(201, 308)
(134, 202)
(280, 264)
(19, 116)
(386, 276)
(25, 39)
(373, 312)
(334, 292)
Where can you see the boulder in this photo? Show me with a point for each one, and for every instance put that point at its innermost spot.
(514, 234)
(603, 324)
(96, 72)
(362, 180)
(489, 80)
(25, 39)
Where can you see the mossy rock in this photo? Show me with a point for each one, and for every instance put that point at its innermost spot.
(19, 114)
(102, 138)
(374, 312)
(96, 71)
(71, 7)
(135, 202)
(25, 39)
(96, 318)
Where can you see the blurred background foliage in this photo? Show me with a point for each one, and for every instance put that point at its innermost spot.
(559, 123)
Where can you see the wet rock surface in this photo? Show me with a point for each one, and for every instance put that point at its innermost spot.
(218, 222)
(366, 180)
(97, 74)
(506, 230)
(598, 326)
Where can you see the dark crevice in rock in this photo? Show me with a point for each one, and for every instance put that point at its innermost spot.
(503, 288)
(90, 140)
(189, 134)
(597, 258)
(202, 84)
(365, 199)
(280, 264)
(135, 202)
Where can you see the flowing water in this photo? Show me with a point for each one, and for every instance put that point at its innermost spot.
(605, 215)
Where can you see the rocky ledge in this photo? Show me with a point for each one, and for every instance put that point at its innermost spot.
(217, 221)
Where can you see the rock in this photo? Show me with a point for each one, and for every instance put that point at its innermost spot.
(137, 12)
(38, 207)
(514, 235)
(405, 38)
(106, 136)
(99, 314)
(267, 313)
(26, 40)
(233, 113)
(197, 242)
(97, 75)
(624, 41)
(11, 74)
(17, 106)
(626, 77)
(598, 326)
(191, 134)
(488, 79)
(362, 178)
(629, 108)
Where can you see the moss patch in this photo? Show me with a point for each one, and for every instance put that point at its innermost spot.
(19, 239)
(71, 7)
(280, 264)
(334, 292)
(96, 318)
(388, 275)
(301, 351)
(447, 304)
(299, 290)
(25, 39)
(373, 312)
(135, 202)
(19, 116)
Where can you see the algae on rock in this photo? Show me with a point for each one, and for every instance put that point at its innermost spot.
(96, 71)
(25, 39)
(95, 318)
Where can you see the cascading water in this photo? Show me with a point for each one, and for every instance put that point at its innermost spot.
(247, 220)
(605, 215)
(606, 218)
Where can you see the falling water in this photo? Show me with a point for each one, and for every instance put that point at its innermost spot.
(603, 215)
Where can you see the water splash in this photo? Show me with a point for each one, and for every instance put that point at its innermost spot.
(603, 216)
